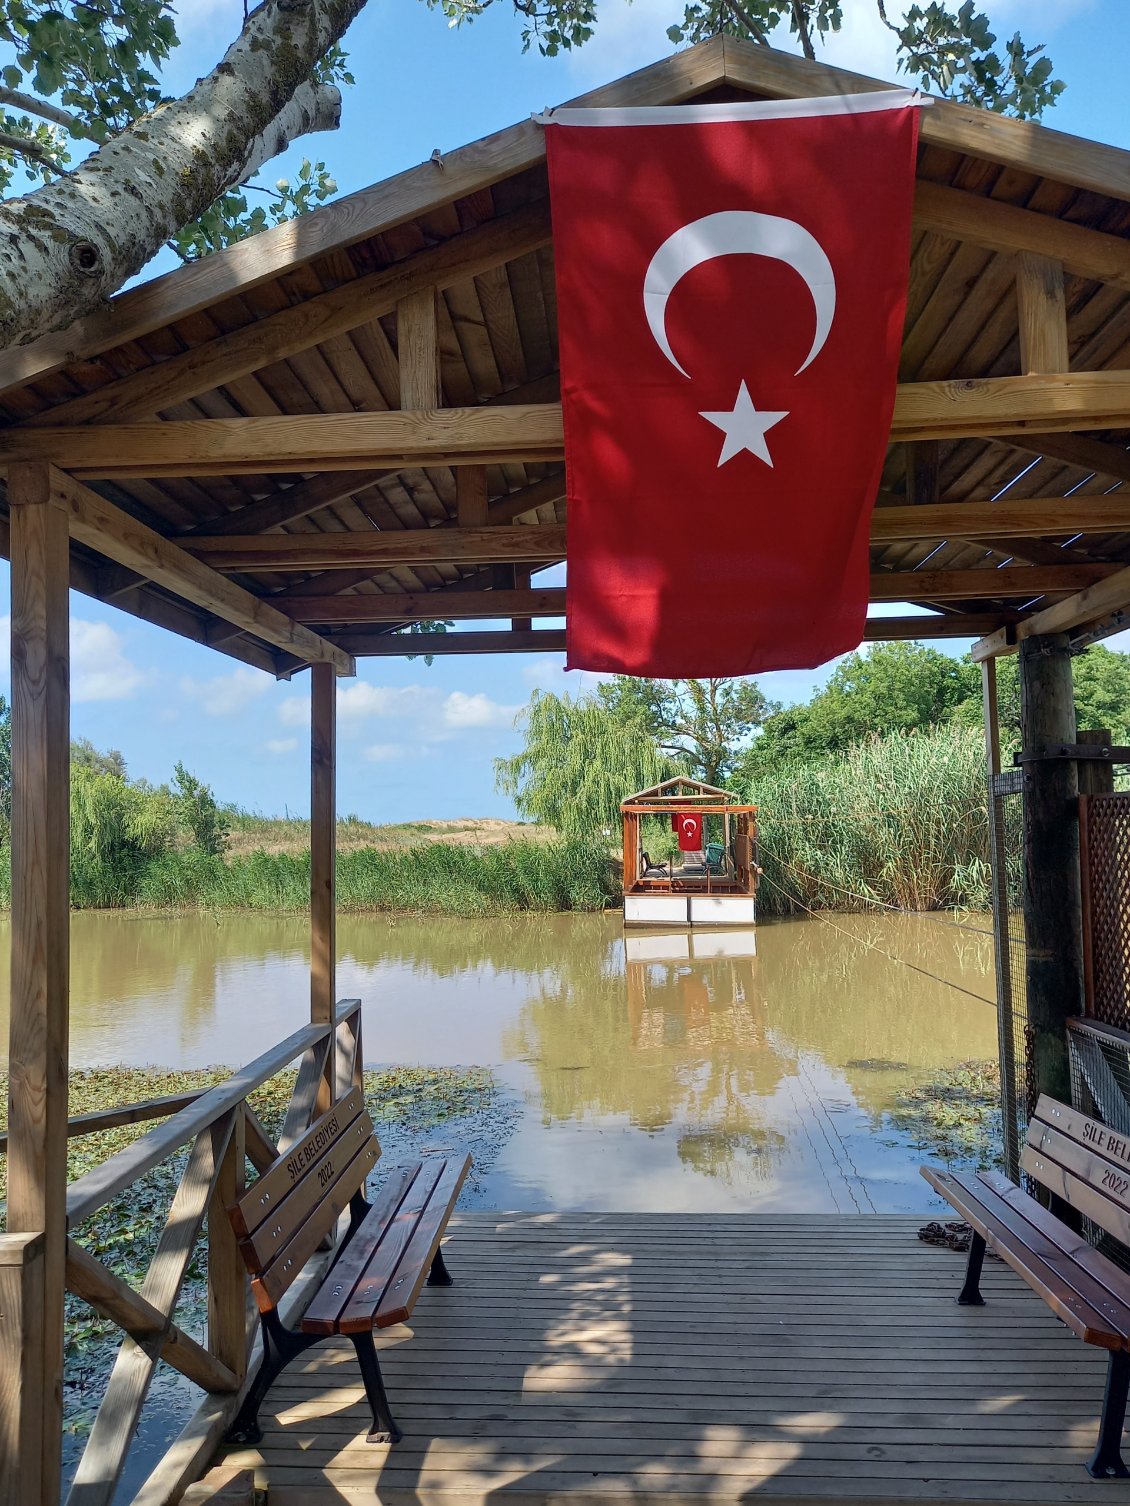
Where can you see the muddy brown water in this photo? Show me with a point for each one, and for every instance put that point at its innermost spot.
(733, 1071)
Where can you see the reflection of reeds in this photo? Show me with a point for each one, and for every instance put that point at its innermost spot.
(899, 820)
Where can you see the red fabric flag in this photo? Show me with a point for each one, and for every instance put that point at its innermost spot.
(688, 827)
(731, 292)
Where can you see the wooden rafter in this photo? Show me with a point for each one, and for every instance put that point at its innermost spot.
(376, 550)
(98, 524)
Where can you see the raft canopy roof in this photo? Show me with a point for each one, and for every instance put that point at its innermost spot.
(251, 452)
(684, 791)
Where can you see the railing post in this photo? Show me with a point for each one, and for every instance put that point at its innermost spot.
(227, 1274)
(37, 1093)
(323, 856)
(21, 1366)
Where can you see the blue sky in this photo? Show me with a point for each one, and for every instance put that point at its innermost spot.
(418, 741)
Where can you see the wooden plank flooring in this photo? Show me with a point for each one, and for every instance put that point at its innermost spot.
(587, 1358)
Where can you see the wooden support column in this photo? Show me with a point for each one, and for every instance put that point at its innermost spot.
(1042, 313)
(227, 1272)
(417, 349)
(323, 859)
(471, 496)
(1052, 900)
(21, 1369)
(37, 1101)
(998, 864)
(522, 575)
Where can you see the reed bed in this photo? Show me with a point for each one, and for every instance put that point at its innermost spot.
(435, 877)
(898, 820)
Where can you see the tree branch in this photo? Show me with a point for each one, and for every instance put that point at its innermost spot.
(803, 32)
(30, 105)
(27, 146)
(68, 246)
(751, 24)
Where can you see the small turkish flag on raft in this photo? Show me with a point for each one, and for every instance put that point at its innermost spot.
(688, 828)
(731, 287)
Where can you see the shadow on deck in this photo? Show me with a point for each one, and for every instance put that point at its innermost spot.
(611, 1357)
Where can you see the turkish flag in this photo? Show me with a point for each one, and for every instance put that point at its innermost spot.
(688, 827)
(731, 287)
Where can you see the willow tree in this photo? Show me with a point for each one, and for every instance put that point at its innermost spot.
(578, 761)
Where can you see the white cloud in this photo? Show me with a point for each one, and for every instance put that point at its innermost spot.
(461, 710)
(295, 711)
(227, 695)
(100, 668)
(385, 752)
(362, 699)
(280, 745)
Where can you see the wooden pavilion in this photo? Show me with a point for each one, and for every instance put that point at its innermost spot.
(351, 423)
(717, 888)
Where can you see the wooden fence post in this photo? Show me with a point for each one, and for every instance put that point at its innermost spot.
(21, 1367)
(227, 1273)
(323, 862)
(1052, 896)
(37, 1095)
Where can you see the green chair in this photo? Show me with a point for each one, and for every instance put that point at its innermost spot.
(715, 857)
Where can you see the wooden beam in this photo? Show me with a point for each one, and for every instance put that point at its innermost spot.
(970, 408)
(471, 508)
(1032, 517)
(1042, 313)
(21, 1370)
(98, 524)
(239, 352)
(244, 266)
(526, 500)
(990, 584)
(997, 226)
(422, 606)
(323, 863)
(959, 128)
(903, 585)
(417, 350)
(38, 1031)
(1078, 450)
(552, 640)
(1106, 598)
(319, 441)
(378, 550)
(287, 506)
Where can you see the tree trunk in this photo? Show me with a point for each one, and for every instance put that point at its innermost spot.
(66, 247)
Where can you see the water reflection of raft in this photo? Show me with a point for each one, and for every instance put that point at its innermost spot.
(714, 880)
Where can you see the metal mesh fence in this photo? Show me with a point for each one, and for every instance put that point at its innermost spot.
(1006, 852)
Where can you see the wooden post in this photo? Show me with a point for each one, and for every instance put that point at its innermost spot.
(522, 575)
(417, 350)
(37, 1102)
(227, 1273)
(998, 864)
(1096, 776)
(1052, 902)
(323, 858)
(21, 1368)
(1042, 313)
(471, 496)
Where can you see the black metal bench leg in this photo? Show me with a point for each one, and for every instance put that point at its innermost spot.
(384, 1428)
(970, 1294)
(439, 1275)
(280, 1346)
(1107, 1463)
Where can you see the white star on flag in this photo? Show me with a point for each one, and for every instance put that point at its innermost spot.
(745, 428)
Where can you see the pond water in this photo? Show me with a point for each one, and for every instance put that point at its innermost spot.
(735, 1071)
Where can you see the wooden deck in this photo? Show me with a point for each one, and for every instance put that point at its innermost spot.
(595, 1358)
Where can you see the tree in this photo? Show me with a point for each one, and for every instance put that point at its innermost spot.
(1102, 696)
(891, 687)
(198, 812)
(82, 74)
(580, 759)
(704, 724)
(84, 755)
(948, 50)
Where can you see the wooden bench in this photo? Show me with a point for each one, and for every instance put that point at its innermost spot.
(392, 1245)
(1086, 1165)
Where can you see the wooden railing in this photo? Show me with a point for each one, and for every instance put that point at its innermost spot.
(224, 1134)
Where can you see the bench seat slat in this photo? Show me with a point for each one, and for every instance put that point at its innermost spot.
(1109, 1290)
(400, 1295)
(270, 1284)
(322, 1315)
(357, 1315)
(265, 1195)
(304, 1199)
(1032, 1255)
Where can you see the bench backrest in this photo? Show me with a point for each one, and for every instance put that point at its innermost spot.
(1084, 1162)
(284, 1216)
